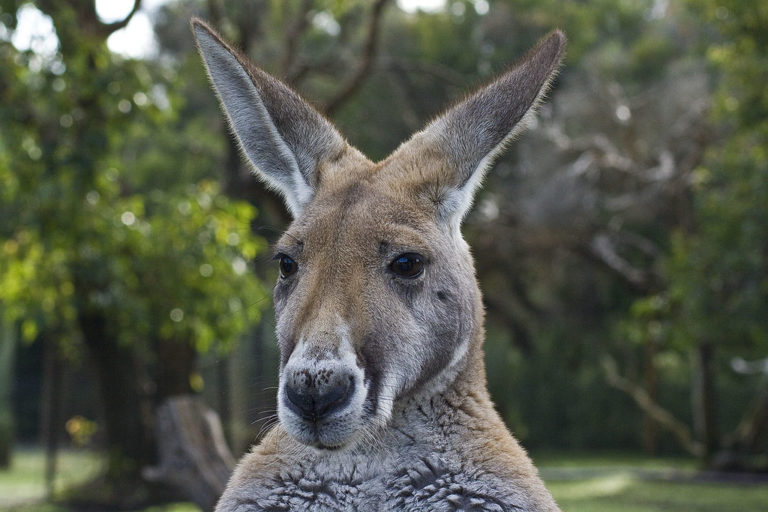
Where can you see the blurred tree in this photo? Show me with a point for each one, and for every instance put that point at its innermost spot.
(113, 243)
(718, 266)
(710, 294)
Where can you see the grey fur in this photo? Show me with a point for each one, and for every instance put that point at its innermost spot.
(411, 468)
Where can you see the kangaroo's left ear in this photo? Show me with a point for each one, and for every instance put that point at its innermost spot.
(448, 159)
(290, 145)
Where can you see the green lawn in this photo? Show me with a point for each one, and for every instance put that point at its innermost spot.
(25, 482)
(580, 484)
(621, 492)
(22, 488)
(631, 484)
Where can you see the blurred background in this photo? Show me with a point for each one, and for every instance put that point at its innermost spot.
(622, 242)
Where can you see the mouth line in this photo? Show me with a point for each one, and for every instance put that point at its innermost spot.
(318, 436)
(327, 447)
(317, 444)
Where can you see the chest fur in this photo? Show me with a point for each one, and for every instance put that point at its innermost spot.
(410, 481)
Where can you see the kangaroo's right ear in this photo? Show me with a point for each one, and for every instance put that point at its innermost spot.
(453, 152)
(283, 137)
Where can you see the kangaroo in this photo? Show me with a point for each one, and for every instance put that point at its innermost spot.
(382, 400)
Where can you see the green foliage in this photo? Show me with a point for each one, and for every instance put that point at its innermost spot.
(109, 207)
(718, 267)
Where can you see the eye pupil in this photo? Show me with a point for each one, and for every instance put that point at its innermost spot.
(408, 265)
(287, 266)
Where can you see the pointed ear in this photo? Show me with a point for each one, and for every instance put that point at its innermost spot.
(454, 151)
(283, 137)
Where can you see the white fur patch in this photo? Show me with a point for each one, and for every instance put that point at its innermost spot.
(343, 424)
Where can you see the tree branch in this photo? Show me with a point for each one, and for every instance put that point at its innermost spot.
(605, 251)
(661, 416)
(108, 29)
(754, 420)
(408, 112)
(354, 82)
(602, 251)
(292, 36)
(215, 12)
(400, 65)
(504, 311)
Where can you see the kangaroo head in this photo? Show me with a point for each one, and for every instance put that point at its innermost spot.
(377, 299)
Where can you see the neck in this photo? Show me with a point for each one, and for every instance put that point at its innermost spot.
(465, 375)
(461, 385)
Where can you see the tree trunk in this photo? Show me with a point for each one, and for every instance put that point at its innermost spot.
(224, 394)
(194, 456)
(755, 430)
(704, 400)
(175, 364)
(128, 442)
(7, 358)
(745, 447)
(243, 391)
(652, 388)
(50, 419)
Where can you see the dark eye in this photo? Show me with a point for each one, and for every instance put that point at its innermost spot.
(408, 265)
(287, 266)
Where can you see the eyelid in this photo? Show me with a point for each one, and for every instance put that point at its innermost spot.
(397, 251)
(289, 246)
(279, 251)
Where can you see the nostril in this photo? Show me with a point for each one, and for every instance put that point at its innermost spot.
(302, 404)
(313, 405)
(335, 398)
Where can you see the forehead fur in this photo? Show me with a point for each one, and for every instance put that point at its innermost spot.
(398, 190)
(372, 210)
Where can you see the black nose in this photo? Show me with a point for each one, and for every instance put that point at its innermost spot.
(313, 403)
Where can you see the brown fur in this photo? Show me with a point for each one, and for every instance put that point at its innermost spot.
(383, 399)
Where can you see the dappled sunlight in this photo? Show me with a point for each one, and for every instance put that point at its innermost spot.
(25, 483)
(626, 484)
(601, 487)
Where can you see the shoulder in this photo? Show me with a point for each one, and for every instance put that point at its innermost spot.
(447, 481)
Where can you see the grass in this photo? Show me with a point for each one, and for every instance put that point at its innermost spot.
(22, 487)
(633, 484)
(586, 483)
(622, 492)
(24, 482)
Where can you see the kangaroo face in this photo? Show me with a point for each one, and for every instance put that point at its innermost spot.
(373, 302)
(377, 298)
